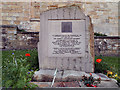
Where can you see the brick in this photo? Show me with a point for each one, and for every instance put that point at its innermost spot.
(16, 22)
(95, 17)
(15, 14)
(88, 3)
(19, 18)
(103, 9)
(26, 19)
(22, 18)
(23, 3)
(111, 18)
(27, 12)
(11, 6)
(9, 10)
(4, 14)
(61, 5)
(16, 7)
(92, 13)
(5, 22)
(9, 18)
(37, 16)
(10, 3)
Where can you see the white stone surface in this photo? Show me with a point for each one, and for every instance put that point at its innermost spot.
(50, 24)
(78, 29)
(69, 74)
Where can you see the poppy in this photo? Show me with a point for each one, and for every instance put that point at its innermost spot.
(91, 74)
(99, 78)
(98, 60)
(27, 54)
(90, 85)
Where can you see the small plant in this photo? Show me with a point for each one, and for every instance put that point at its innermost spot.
(99, 34)
(20, 30)
(16, 73)
(108, 66)
(90, 81)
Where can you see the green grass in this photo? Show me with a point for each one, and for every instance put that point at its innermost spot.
(32, 60)
(18, 69)
(110, 63)
(12, 73)
(107, 63)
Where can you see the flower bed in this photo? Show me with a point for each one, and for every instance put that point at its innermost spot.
(18, 68)
(109, 66)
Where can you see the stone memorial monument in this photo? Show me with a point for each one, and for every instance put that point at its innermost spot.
(66, 40)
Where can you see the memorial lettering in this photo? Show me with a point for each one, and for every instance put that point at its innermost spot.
(66, 44)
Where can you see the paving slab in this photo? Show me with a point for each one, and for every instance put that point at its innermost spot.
(71, 76)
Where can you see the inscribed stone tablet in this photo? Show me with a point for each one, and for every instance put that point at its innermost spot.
(66, 38)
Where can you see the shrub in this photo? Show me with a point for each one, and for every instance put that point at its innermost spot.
(17, 71)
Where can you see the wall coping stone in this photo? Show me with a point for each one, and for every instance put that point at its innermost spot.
(28, 33)
(8, 26)
(107, 37)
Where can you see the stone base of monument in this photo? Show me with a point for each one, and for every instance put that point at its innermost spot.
(43, 78)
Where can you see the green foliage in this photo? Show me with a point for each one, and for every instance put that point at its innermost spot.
(20, 30)
(90, 80)
(118, 80)
(108, 63)
(18, 69)
(32, 60)
(99, 34)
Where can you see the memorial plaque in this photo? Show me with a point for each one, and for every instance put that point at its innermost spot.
(66, 27)
(64, 39)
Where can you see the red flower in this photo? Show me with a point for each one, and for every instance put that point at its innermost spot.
(27, 54)
(88, 85)
(91, 74)
(98, 60)
(93, 86)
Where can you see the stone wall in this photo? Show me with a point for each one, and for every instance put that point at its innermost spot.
(108, 46)
(26, 14)
(14, 39)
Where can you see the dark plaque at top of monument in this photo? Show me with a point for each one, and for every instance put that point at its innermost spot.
(66, 27)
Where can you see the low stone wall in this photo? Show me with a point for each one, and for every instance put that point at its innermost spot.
(107, 46)
(12, 39)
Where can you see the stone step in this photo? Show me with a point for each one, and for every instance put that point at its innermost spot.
(103, 84)
(68, 75)
(70, 78)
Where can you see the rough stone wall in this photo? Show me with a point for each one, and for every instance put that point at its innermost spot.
(12, 39)
(26, 14)
(108, 46)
